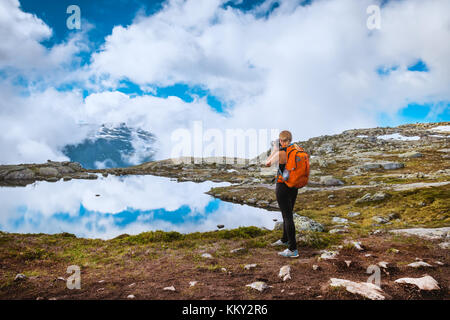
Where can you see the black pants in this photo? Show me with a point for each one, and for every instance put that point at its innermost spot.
(286, 200)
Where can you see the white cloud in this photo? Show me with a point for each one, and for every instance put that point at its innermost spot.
(37, 126)
(36, 208)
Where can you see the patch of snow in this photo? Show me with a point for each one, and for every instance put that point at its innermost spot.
(436, 136)
(441, 129)
(397, 136)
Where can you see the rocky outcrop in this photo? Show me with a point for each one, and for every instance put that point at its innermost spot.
(427, 233)
(302, 224)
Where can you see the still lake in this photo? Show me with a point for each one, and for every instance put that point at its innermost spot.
(111, 206)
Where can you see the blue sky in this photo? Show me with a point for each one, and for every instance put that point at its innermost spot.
(231, 64)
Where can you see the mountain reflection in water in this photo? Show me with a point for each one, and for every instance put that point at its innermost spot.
(111, 206)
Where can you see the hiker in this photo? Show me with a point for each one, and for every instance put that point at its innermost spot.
(292, 174)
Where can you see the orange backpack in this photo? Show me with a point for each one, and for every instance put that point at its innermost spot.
(297, 167)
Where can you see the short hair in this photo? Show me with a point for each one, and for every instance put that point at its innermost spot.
(286, 135)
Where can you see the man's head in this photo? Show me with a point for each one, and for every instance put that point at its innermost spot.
(285, 138)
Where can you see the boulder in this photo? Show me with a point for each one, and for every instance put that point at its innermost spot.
(75, 166)
(330, 181)
(393, 165)
(258, 285)
(19, 277)
(365, 289)
(25, 174)
(65, 170)
(411, 154)
(426, 282)
(427, 233)
(307, 224)
(328, 255)
(48, 172)
(379, 196)
(339, 220)
(285, 273)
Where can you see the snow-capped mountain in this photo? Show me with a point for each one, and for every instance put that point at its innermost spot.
(111, 146)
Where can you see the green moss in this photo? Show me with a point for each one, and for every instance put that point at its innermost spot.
(319, 240)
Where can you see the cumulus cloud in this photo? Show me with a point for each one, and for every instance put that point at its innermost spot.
(36, 126)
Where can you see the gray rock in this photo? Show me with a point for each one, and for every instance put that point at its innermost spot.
(420, 264)
(393, 165)
(427, 233)
(379, 196)
(365, 198)
(353, 214)
(339, 220)
(330, 181)
(328, 255)
(258, 285)
(411, 154)
(65, 170)
(237, 250)
(370, 166)
(75, 166)
(338, 231)
(427, 282)
(285, 273)
(365, 289)
(25, 174)
(307, 224)
(19, 277)
(48, 172)
(380, 220)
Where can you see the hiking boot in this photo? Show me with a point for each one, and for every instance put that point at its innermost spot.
(279, 243)
(289, 253)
